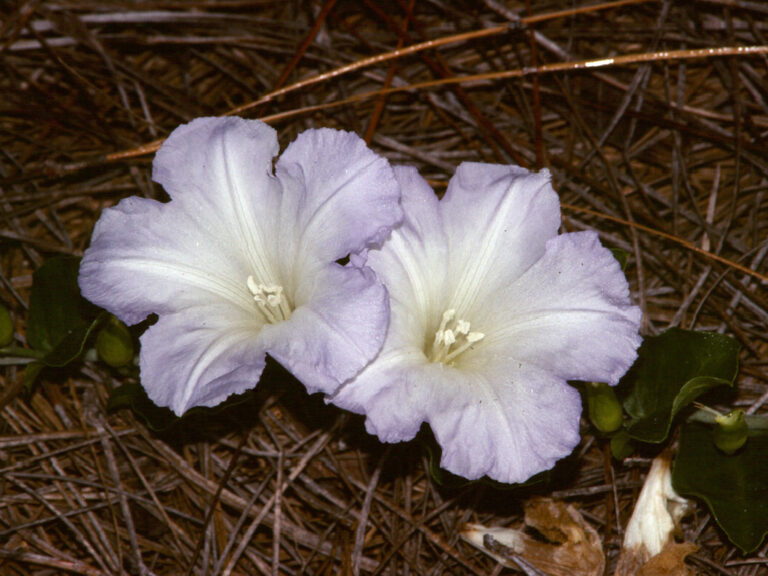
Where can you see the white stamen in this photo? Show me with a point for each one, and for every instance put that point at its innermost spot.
(252, 286)
(452, 338)
(473, 337)
(271, 302)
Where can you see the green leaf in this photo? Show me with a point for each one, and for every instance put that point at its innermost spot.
(56, 308)
(735, 487)
(60, 320)
(68, 349)
(71, 346)
(672, 370)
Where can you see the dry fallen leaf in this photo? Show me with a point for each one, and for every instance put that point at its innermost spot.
(571, 547)
(670, 561)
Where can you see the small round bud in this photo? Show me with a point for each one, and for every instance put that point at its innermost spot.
(114, 343)
(622, 445)
(6, 326)
(604, 409)
(730, 431)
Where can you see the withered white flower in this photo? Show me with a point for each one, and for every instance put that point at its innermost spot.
(657, 515)
(492, 313)
(241, 262)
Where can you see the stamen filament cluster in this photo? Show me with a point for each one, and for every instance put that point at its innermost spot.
(270, 299)
(452, 338)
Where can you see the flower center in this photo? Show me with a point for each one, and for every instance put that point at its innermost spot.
(452, 338)
(270, 300)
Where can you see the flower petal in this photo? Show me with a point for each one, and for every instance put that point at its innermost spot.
(414, 263)
(340, 197)
(498, 219)
(569, 314)
(219, 172)
(221, 168)
(337, 330)
(199, 356)
(146, 257)
(508, 422)
(391, 392)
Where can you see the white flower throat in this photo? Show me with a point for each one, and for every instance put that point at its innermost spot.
(452, 338)
(271, 301)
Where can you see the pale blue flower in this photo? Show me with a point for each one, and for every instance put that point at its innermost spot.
(242, 263)
(492, 313)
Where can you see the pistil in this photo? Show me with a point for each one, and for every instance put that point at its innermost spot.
(453, 338)
(271, 301)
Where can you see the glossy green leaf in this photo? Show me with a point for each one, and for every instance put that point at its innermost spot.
(672, 370)
(735, 487)
(56, 308)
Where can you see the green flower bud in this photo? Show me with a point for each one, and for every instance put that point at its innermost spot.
(114, 343)
(622, 445)
(730, 431)
(604, 408)
(6, 327)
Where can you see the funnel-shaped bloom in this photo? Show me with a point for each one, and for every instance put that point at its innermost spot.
(241, 262)
(492, 312)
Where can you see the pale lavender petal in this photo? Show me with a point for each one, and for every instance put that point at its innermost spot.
(569, 314)
(146, 257)
(498, 220)
(337, 328)
(508, 422)
(414, 262)
(200, 356)
(339, 197)
(391, 393)
(220, 170)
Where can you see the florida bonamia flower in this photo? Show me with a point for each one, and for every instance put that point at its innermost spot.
(491, 313)
(241, 262)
